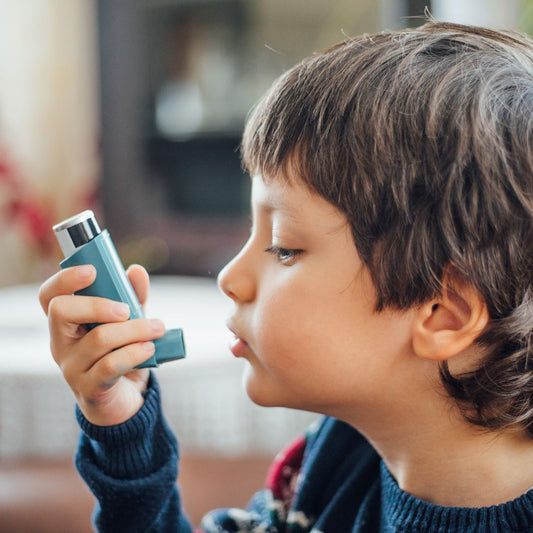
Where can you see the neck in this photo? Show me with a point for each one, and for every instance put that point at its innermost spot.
(437, 456)
(476, 470)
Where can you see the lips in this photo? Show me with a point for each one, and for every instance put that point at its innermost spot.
(238, 346)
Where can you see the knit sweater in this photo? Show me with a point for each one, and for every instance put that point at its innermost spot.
(330, 480)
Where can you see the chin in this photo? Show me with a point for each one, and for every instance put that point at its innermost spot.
(259, 393)
(261, 397)
(267, 397)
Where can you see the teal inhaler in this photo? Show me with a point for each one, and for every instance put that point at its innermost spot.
(82, 243)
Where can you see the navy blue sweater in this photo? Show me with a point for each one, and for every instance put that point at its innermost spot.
(331, 481)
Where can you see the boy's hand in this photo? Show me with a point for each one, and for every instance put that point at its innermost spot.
(98, 364)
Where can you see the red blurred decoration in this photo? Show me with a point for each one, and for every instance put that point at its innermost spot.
(24, 210)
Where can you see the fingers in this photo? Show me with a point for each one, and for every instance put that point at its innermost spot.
(107, 338)
(110, 350)
(107, 370)
(73, 279)
(69, 309)
(64, 282)
(140, 281)
(99, 364)
(68, 315)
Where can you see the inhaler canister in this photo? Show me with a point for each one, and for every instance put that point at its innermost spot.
(83, 242)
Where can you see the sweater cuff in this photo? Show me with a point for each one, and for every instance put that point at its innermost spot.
(136, 448)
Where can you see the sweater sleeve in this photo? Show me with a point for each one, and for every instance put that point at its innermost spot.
(131, 468)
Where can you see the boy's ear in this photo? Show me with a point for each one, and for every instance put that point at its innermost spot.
(448, 324)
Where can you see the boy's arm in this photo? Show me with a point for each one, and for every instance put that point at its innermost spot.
(127, 454)
(131, 468)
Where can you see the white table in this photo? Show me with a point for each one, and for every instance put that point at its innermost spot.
(203, 397)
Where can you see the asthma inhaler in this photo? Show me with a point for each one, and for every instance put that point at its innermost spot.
(82, 243)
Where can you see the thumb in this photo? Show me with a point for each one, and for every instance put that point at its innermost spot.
(140, 281)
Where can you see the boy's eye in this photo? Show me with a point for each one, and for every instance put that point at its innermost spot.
(286, 256)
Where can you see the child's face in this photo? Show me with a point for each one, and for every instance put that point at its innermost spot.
(304, 306)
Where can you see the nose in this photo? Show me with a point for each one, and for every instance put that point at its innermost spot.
(237, 278)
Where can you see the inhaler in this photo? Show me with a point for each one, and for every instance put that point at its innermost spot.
(82, 243)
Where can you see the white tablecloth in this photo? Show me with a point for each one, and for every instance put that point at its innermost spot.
(202, 395)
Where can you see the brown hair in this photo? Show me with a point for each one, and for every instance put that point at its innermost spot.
(424, 139)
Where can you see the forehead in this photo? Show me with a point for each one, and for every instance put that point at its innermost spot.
(293, 200)
(276, 195)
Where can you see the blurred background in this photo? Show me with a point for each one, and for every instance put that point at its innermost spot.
(135, 108)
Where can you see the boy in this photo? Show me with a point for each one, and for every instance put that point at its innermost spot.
(386, 284)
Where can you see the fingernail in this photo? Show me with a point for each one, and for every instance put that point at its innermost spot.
(157, 325)
(121, 310)
(85, 271)
(148, 347)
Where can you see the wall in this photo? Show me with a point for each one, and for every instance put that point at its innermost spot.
(48, 128)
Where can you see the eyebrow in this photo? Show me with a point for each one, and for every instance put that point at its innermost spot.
(268, 207)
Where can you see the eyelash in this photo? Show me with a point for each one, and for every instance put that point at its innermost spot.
(284, 255)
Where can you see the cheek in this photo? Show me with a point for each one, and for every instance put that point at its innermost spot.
(301, 325)
(294, 328)
(277, 324)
